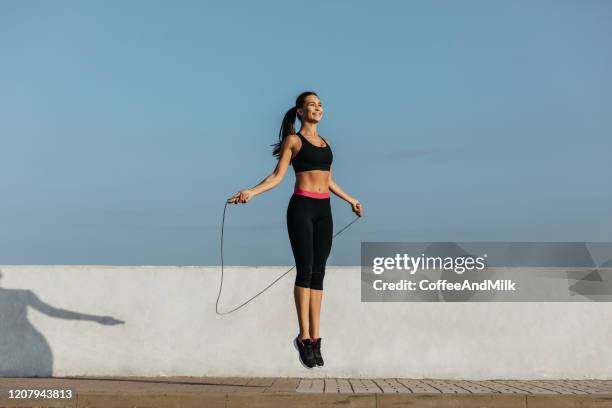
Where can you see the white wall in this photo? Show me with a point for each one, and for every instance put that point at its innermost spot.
(170, 328)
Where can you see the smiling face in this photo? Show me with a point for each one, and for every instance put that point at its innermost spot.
(312, 110)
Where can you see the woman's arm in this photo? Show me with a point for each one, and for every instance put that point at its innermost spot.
(335, 188)
(272, 180)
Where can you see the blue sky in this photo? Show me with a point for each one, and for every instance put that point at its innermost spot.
(125, 125)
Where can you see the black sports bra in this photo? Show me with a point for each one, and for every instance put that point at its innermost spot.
(311, 157)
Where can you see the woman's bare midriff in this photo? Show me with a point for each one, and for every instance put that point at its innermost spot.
(315, 181)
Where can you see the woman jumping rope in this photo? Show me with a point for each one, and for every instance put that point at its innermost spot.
(309, 216)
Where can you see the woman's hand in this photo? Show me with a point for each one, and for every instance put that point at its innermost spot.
(357, 208)
(243, 196)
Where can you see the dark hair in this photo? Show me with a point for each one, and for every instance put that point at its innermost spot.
(288, 126)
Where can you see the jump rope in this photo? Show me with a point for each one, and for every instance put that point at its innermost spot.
(273, 282)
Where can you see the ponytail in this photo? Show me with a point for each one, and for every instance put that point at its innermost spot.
(288, 125)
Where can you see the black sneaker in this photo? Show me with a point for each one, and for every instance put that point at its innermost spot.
(306, 351)
(316, 350)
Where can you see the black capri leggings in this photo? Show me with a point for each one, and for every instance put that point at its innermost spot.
(310, 227)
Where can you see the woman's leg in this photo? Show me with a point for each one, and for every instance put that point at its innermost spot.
(323, 228)
(300, 229)
(315, 313)
(302, 301)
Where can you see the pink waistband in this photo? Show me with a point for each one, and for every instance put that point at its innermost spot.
(310, 194)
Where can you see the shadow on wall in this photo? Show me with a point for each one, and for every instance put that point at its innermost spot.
(24, 352)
